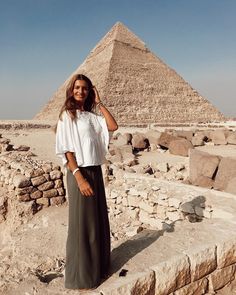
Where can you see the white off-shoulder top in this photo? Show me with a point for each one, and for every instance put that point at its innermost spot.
(87, 136)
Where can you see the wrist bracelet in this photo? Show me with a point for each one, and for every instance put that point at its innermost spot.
(99, 104)
(75, 170)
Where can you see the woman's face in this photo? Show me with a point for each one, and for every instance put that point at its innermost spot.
(80, 91)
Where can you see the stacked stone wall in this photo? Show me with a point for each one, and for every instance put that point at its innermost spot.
(40, 183)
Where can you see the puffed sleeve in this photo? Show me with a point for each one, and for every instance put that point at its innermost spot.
(105, 133)
(64, 141)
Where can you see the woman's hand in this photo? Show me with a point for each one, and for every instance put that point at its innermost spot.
(97, 97)
(85, 188)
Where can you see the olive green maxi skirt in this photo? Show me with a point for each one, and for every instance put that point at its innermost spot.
(88, 240)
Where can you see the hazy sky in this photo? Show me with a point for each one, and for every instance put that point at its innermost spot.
(44, 41)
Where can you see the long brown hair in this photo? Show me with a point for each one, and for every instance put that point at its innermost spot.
(70, 105)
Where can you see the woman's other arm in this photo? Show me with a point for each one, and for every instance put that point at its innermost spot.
(82, 182)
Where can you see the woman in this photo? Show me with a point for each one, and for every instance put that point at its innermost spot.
(82, 141)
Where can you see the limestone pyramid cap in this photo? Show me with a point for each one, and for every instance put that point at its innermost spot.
(120, 33)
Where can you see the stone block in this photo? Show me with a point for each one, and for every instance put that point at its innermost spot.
(202, 261)
(226, 172)
(36, 195)
(226, 253)
(55, 201)
(46, 185)
(180, 147)
(195, 288)
(135, 284)
(139, 141)
(58, 183)
(38, 180)
(202, 164)
(218, 137)
(50, 193)
(165, 139)
(34, 172)
(24, 190)
(21, 181)
(171, 274)
(55, 174)
(187, 134)
(23, 198)
(43, 201)
(61, 191)
(231, 138)
(221, 277)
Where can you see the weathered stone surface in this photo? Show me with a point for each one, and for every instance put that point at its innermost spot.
(202, 164)
(139, 283)
(47, 168)
(198, 139)
(231, 186)
(55, 174)
(195, 288)
(226, 172)
(202, 261)
(38, 180)
(180, 147)
(221, 277)
(21, 181)
(34, 172)
(187, 134)
(165, 139)
(24, 190)
(23, 198)
(58, 183)
(171, 274)
(153, 136)
(46, 185)
(139, 141)
(55, 201)
(43, 201)
(36, 195)
(218, 137)
(204, 181)
(123, 139)
(61, 191)
(50, 193)
(226, 253)
(231, 138)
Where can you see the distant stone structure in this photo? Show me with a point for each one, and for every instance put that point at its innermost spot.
(136, 85)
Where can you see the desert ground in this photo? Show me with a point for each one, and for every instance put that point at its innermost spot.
(32, 247)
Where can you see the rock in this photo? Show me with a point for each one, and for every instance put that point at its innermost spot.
(163, 167)
(55, 174)
(43, 202)
(199, 138)
(34, 172)
(50, 193)
(46, 185)
(204, 181)
(218, 137)
(21, 181)
(58, 183)
(226, 173)
(55, 201)
(22, 148)
(165, 139)
(23, 198)
(24, 190)
(36, 195)
(180, 147)
(153, 137)
(171, 274)
(38, 180)
(202, 261)
(195, 288)
(202, 165)
(221, 277)
(47, 168)
(187, 134)
(231, 138)
(139, 141)
(61, 191)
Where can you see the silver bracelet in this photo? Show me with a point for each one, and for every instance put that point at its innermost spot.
(75, 170)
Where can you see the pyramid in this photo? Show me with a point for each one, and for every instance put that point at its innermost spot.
(136, 85)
